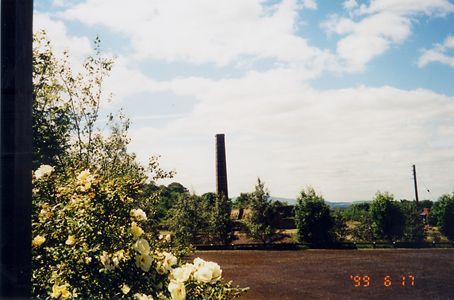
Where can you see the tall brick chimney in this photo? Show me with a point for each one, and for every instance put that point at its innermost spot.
(221, 167)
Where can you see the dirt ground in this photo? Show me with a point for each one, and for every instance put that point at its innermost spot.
(326, 274)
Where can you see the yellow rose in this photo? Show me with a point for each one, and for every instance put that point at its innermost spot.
(84, 176)
(106, 261)
(60, 291)
(125, 288)
(84, 179)
(136, 230)
(144, 261)
(142, 246)
(38, 241)
(71, 240)
(168, 238)
(177, 290)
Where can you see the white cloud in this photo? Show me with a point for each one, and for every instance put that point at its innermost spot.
(349, 143)
(381, 24)
(408, 7)
(438, 53)
(350, 4)
(61, 40)
(310, 4)
(205, 31)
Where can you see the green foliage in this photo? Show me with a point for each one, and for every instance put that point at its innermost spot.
(356, 211)
(442, 215)
(220, 223)
(425, 204)
(201, 220)
(388, 217)
(51, 121)
(66, 111)
(366, 230)
(242, 201)
(313, 218)
(260, 221)
(340, 228)
(414, 226)
(190, 220)
(168, 196)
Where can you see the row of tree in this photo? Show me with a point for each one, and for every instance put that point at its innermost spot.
(206, 218)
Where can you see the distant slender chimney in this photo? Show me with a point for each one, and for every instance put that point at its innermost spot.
(221, 167)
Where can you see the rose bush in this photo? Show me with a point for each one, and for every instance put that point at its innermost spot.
(93, 238)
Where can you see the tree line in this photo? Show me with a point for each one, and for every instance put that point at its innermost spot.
(200, 219)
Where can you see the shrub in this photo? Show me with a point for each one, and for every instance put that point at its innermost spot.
(313, 218)
(92, 238)
(388, 217)
(442, 215)
(260, 221)
(190, 220)
(414, 226)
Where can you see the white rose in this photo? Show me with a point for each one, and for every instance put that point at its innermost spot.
(203, 274)
(169, 260)
(182, 273)
(144, 261)
(138, 296)
(177, 290)
(208, 272)
(198, 262)
(142, 246)
(216, 271)
(138, 214)
(43, 170)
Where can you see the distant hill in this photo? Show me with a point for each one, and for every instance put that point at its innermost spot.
(332, 204)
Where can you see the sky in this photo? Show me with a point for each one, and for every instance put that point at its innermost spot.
(343, 96)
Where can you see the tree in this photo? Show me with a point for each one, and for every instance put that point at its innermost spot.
(366, 230)
(356, 211)
(220, 222)
(241, 202)
(190, 220)
(313, 218)
(442, 215)
(388, 217)
(51, 121)
(260, 222)
(340, 228)
(66, 112)
(414, 226)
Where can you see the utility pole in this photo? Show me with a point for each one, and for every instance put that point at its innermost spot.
(15, 148)
(416, 184)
